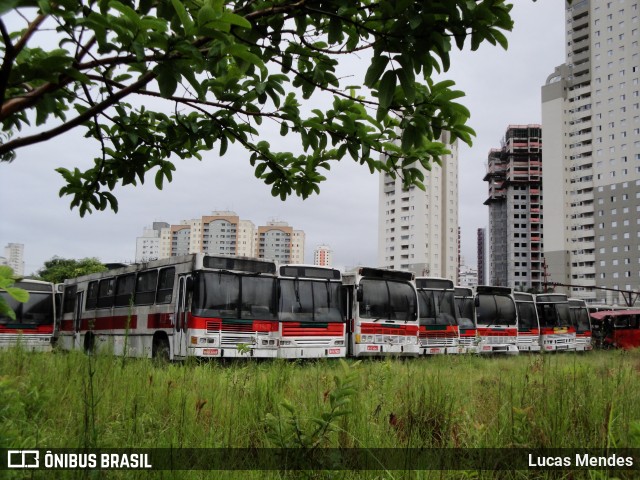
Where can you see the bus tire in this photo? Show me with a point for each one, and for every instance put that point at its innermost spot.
(160, 350)
(89, 343)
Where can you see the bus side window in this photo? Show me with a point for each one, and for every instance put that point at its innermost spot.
(69, 299)
(124, 289)
(146, 287)
(105, 292)
(92, 296)
(165, 285)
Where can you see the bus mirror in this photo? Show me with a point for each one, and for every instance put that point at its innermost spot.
(359, 293)
(476, 302)
(189, 284)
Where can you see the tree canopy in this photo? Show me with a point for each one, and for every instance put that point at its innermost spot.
(152, 81)
(57, 270)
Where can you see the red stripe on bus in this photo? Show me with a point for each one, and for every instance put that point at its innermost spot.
(450, 331)
(509, 332)
(373, 329)
(36, 329)
(160, 320)
(110, 323)
(66, 326)
(557, 330)
(218, 324)
(295, 330)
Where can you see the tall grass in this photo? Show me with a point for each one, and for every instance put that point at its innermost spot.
(70, 400)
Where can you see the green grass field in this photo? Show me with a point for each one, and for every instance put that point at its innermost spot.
(70, 400)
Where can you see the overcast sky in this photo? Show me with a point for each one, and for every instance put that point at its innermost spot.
(502, 88)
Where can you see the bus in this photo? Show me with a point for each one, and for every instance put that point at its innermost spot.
(497, 320)
(310, 312)
(33, 327)
(382, 309)
(528, 324)
(617, 328)
(466, 315)
(438, 332)
(194, 305)
(582, 323)
(556, 330)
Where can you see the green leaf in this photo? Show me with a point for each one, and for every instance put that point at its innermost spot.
(378, 64)
(387, 88)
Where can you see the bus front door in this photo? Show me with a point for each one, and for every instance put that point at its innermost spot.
(180, 337)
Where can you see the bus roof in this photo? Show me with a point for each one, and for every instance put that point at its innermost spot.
(523, 297)
(434, 283)
(386, 274)
(489, 289)
(463, 291)
(552, 298)
(613, 313)
(310, 271)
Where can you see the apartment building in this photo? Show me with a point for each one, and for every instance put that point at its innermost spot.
(482, 259)
(14, 258)
(323, 256)
(514, 176)
(418, 230)
(221, 233)
(591, 174)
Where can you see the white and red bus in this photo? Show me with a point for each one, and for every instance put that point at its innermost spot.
(194, 305)
(582, 323)
(33, 327)
(497, 320)
(556, 329)
(465, 306)
(312, 323)
(438, 332)
(528, 324)
(382, 310)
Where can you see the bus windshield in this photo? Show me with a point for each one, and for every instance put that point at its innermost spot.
(554, 315)
(38, 310)
(309, 301)
(229, 295)
(386, 299)
(465, 312)
(580, 319)
(436, 307)
(527, 318)
(496, 309)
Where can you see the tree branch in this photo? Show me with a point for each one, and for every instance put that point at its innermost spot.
(79, 120)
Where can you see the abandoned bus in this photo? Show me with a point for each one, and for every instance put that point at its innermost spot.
(33, 326)
(466, 315)
(556, 330)
(194, 305)
(310, 314)
(382, 308)
(582, 324)
(438, 323)
(497, 320)
(528, 325)
(616, 329)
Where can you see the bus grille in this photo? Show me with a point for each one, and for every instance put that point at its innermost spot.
(491, 340)
(438, 341)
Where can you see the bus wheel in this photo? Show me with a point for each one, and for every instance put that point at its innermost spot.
(89, 343)
(160, 351)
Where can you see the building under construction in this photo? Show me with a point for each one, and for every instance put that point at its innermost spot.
(514, 176)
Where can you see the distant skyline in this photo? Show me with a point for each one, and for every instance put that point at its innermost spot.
(502, 88)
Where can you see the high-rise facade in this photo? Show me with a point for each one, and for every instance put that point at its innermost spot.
(14, 258)
(591, 120)
(515, 229)
(222, 233)
(482, 247)
(322, 256)
(418, 230)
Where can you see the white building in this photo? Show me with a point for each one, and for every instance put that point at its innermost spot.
(591, 161)
(14, 258)
(323, 256)
(221, 233)
(418, 230)
(148, 245)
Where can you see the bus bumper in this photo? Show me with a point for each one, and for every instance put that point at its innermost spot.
(376, 350)
(214, 352)
(312, 352)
